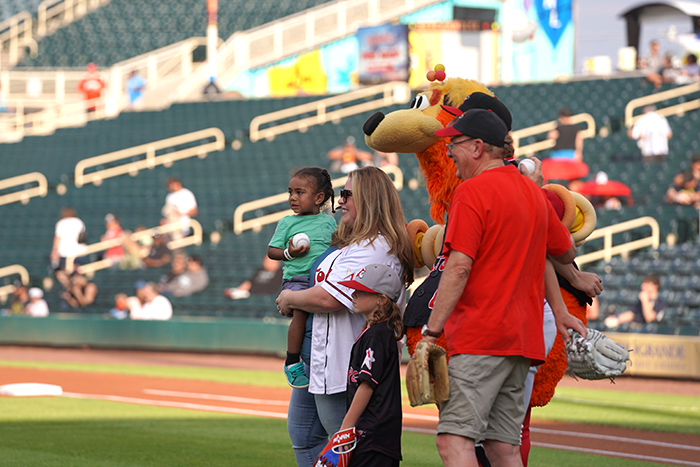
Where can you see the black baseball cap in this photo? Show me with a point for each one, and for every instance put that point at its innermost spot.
(478, 123)
(480, 100)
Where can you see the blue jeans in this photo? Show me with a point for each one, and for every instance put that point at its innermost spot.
(304, 426)
(331, 410)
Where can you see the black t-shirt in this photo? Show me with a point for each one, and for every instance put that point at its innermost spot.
(659, 306)
(375, 359)
(567, 137)
(158, 251)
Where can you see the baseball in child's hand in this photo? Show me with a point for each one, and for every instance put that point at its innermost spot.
(300, 240)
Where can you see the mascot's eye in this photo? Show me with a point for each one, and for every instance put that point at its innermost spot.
(420, 102)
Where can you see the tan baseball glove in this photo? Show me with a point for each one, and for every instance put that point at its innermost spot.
(426, 375)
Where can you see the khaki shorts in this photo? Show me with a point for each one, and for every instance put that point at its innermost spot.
(486, 398)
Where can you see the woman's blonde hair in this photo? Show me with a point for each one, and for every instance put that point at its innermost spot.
(378, 211)
(390, 312)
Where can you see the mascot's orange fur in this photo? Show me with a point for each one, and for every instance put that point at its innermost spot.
(413, 131)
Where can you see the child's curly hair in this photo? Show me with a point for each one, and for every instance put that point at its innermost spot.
(391, 313)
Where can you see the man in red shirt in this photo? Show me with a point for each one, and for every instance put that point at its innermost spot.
(91, 86)
(489, 301)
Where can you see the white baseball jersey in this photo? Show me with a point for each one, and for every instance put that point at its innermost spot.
(334, 333)
(651, 132)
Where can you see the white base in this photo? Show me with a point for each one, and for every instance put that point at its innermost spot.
(30, 389)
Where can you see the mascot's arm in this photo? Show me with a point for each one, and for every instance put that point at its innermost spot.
(586, 282)
(552, 293)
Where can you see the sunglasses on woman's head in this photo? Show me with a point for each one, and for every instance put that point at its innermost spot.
(345, 194)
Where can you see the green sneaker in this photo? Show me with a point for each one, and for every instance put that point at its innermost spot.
(296, 377)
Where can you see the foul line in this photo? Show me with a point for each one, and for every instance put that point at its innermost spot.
(613, 438)
(215, 397)
(618, 454)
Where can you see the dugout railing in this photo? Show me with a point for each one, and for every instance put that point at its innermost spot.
(255, 224)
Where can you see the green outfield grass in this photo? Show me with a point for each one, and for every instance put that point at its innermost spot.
(77, 433)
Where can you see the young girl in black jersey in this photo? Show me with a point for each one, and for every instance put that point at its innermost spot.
(374, 386)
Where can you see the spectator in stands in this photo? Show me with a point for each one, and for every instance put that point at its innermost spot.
(211, 91)
(652, 62)
(180, 206)
(192, 281)
(695, 168)
(134, 251)
(568, 138)
(383, 159)
(121, 307)
(69, 240)
(80, 291)
(134, 88)
(652, 133)
(684, 190)
(177, 268)
(159, 253)
(347, 157)
(691, 71)
(649, 307)
(668, 73)
(265, 281)
(37, 306)
(149, 304)
(113, 230)
(91, 87)
(18, 301)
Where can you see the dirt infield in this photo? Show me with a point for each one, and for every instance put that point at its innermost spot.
(672, 448)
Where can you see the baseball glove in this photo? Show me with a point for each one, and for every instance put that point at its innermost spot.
(338, 451)
(426, 375)
(595, 356)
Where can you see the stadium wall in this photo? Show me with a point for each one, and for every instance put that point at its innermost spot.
(651, 354)
(179, 334)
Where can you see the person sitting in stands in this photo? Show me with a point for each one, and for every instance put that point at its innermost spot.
(649, 307)
(177, 267)
(37, 306)
(80, 291)
(347, 157)
(684, 190)
(266, 280)
(150, 305)
(113, 230)
(192, 281)
(568, 138)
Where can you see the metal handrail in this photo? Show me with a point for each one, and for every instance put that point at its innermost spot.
(89, 268)
(530, 149)
(150, 160)
(283, 38)
(24, 195)
(395, 92)
(67, 10)
(608, 250)
(8, 271)
(630, 119)
(239, 225)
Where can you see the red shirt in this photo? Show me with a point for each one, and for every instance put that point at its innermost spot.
(91, 86)
(505, 223)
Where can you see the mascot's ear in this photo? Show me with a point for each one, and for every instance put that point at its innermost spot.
(416, 230)
(568, 205)
(585, 221)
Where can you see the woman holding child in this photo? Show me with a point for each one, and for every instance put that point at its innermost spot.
(372, 230)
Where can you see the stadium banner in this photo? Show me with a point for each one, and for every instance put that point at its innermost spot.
(383, 53)
(660, 355)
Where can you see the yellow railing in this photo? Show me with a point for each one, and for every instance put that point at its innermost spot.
(294, 34)
(606, 233)
(53, 14)
(15, 34)
(24, 195)
(151, 159)
(239, 225)
(89, 268)
(677, 109)
(396, 92)
(9, 271)
(530, 149)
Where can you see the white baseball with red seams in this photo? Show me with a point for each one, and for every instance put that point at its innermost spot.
(526, 166)
(300, 239)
